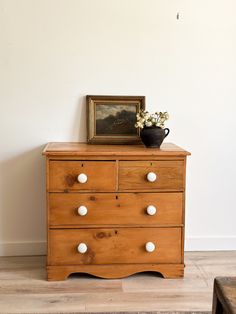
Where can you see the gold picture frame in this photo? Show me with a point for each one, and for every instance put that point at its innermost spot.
(111, 119)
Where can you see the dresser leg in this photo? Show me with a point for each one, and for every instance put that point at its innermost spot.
(171, 271)
(172, 274)
(57, 273)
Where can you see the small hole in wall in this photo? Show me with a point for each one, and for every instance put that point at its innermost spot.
(82, 165)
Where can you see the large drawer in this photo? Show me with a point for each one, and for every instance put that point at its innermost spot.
(115, 208)
(134, 175)
(114, 246)
(100, 175)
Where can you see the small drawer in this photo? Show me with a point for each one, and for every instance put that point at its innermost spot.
(151, 175)
(114, 246)
(82, 175)
(115, 209)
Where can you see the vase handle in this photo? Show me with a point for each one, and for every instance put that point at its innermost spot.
(168, 131)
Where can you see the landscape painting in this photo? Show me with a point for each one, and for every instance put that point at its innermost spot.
(115, 119)
(111, 119)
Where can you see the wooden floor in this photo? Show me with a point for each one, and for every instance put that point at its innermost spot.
(23, 288)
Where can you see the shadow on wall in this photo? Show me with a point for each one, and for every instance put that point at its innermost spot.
(78, 128)
(22, 211)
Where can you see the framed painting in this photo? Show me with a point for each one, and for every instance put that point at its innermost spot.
(111, 119)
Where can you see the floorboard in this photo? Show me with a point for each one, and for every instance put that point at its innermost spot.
(24, 289)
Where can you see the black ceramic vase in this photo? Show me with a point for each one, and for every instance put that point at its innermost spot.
(153, 136)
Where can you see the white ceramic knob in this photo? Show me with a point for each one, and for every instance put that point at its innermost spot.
(150, 247)
(82, 178)
(82, 210)
(82, 248)
(151, 210)
(151, 177)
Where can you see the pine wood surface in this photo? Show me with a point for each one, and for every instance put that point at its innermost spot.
(114, 246)
(115, 209)
(23, 288)
(108, 172)
(101, 175)
(116, 271)
(133, 175)
(75, 148)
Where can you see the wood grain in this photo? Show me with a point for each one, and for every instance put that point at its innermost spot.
(224, 295)
(63, 175)
(24, 289)
(133, 175)
(115, 271)
(83, 149)
(117, 193)
(115, 246)
(115, 209)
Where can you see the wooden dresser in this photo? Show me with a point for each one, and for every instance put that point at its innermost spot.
(115, 210)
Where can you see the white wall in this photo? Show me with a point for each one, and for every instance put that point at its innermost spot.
(54, 52)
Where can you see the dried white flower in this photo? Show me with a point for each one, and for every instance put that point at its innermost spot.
(145, 119)
(148, 123)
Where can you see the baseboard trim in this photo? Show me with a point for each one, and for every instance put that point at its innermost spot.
(191, 244)
(213, 243)
(23, 248)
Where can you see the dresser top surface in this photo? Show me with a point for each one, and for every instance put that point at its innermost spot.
(83, 149)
